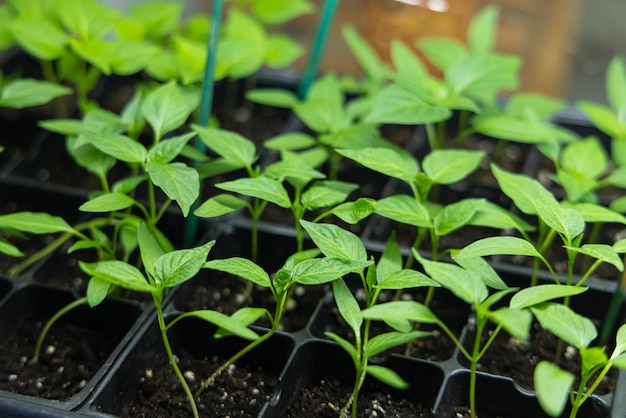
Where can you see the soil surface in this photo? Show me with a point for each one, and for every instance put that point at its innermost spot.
(238, 392)
(70, 357)
(329, 396)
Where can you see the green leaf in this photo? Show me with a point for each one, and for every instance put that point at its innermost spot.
(9, 249)
(176, 267)
(616, 87)
(165, 108)
(219, 205)
(34, 223)
(281, 51)
(483, 28)
(455, 215)
(515, 322)
(108, 202)
(442, 52)
(230, 324)
(405, 209)
(243, 268)
(261, 187)
(620, 340)
(326, 193)
(483, 269)
(465, 284)
(149, 247)
(324, 270)
(273, 12)
(585, 158)
(21, 93)
(391, 162)
(552, 385)
(290, 141)
(592, 358)
(523, 190)
(535, 295)
(119, 274)
(168, 149)
(39, 37)
(97, 291)
(363, 52)
(348, 306)
(566, 324)
(335, 242)
(118, 146)
(603, 252)
(391, 259)
(593, 213)
(501, 245)
(406, 62)
(354, 212)
(273, 97)
(179, 182)
(230, 145)
(387, 376)
(402, 309)
(446, 166)
(383, 342)
(349, 348)
(400, 105)
(405, 279)
(569, 223)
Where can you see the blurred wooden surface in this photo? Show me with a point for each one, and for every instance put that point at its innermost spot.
(540, 31)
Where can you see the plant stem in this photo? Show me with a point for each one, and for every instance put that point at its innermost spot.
(51, 322)
(474, 366)
(431, 134)
(170, 355)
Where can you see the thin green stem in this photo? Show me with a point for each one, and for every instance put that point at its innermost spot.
(431, 134)
(46, 328)
(170, 355)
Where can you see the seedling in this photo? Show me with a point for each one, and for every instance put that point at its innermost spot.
(473, 76)
(554, 385)
(301, 268)
(387, 274)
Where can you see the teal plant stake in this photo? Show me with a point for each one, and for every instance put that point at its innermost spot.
(321, 36)
(206, 104)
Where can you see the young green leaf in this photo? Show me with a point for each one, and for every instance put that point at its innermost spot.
(483, 28)
(354, 212)
(391, 162)
(616, 86)
(175, 267)
(455, 215)
(118, 146)
(335, 242)
(219, 205)
(552, 385)
(384, 342)
(535, 295)
(324, 270)
(566, 324)
(387, 376)
(21, 93)
(149, 247)
(405, 209)
(602, 252)
(165, 109)
(119, 274)
(402, 309)
(225, 322)
(168, 149)
(405, 279)
(97, 291)
(241, 267)
(402, 105)
(326, 193)
(108, 202)
(230, 145)
(261, 187)
(463, 283)
(500, 245)
(179, 182)
(446, 166)
(348, 306)
(34, 223)
(523, 190)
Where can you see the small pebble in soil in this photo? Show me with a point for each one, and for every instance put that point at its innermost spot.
(50, 350)
(570, 352)
(12, 377)
(190, 376)
(149, 374)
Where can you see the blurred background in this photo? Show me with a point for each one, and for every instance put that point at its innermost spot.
(566, 44)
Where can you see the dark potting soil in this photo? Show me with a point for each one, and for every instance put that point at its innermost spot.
(226, 293)
(517, 358)
(329, 396)
(70, 357)
(239, 391)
